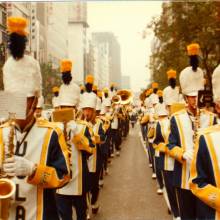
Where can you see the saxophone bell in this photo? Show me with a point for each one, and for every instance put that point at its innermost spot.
(7, 190)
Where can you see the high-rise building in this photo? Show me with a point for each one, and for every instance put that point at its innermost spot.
(107, 44)
(101, 64)
(3, 36)
(57, 32)
(41, 31)
(77, 25)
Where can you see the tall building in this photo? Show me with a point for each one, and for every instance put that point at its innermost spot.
(107, 44)
(101, 64)
(3, 36)
(90, 60)
(57, 34)
(77, 25)
(41, 31)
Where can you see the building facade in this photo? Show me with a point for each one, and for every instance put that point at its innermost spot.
(109, 49)
(77, 25)
(3, 35)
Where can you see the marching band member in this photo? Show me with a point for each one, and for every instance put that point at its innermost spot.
(115, 131)
(205, 169)
(145, 119)
(154, 97)
(99, 134)
(112, 91)
(167, 162)
(40, 163)
(159, 112)
(107, 118)
(82, 148)
(105, 99)
(171, 93)
(184, 128)
(151, 125)
(55, 99)
(68, 87)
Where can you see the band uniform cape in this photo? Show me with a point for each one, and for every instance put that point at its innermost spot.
(160, 144)
(79, 183)
(205, 173)
(45, 146)
(181, 140)
(99, 138)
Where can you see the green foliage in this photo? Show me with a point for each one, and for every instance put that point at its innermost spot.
(50, 78)
(180, 24)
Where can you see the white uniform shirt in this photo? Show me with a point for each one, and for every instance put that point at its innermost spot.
(171, 95)
(55, 101)
(69, 94)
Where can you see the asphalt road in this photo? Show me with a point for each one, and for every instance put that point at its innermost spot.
(129, 193)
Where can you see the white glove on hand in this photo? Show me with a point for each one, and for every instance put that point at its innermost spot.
(188, 155)
(18, 166)
(71, 127)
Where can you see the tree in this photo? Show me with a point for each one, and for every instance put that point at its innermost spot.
(50, 78)
(180, 24)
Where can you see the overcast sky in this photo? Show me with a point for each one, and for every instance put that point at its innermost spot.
(127, 20)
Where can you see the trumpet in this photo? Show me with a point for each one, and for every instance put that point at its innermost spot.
(7, 186)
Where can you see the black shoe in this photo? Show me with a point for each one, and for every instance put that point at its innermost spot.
(95, 210)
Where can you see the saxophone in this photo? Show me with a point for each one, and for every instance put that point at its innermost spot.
(7, 186)
(196, 125)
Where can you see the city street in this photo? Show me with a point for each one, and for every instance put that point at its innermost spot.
(129, 193)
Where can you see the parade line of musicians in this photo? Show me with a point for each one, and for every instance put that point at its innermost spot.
(182, 141)
(50, 167)
(56, 167)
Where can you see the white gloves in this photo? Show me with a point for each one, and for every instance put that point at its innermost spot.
(18, 166)
(71, 127)
(188, 155)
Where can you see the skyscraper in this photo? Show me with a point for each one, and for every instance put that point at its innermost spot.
(107, 42)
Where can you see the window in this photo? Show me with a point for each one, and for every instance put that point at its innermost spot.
(4, 18)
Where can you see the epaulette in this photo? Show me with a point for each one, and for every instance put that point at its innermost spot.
(46, 124)
(207, 112)
(182, 111)
(209, 129)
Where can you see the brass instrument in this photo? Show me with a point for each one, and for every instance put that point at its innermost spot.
(126, 96)
(196, 124)
(116, 99)
(7, 186)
